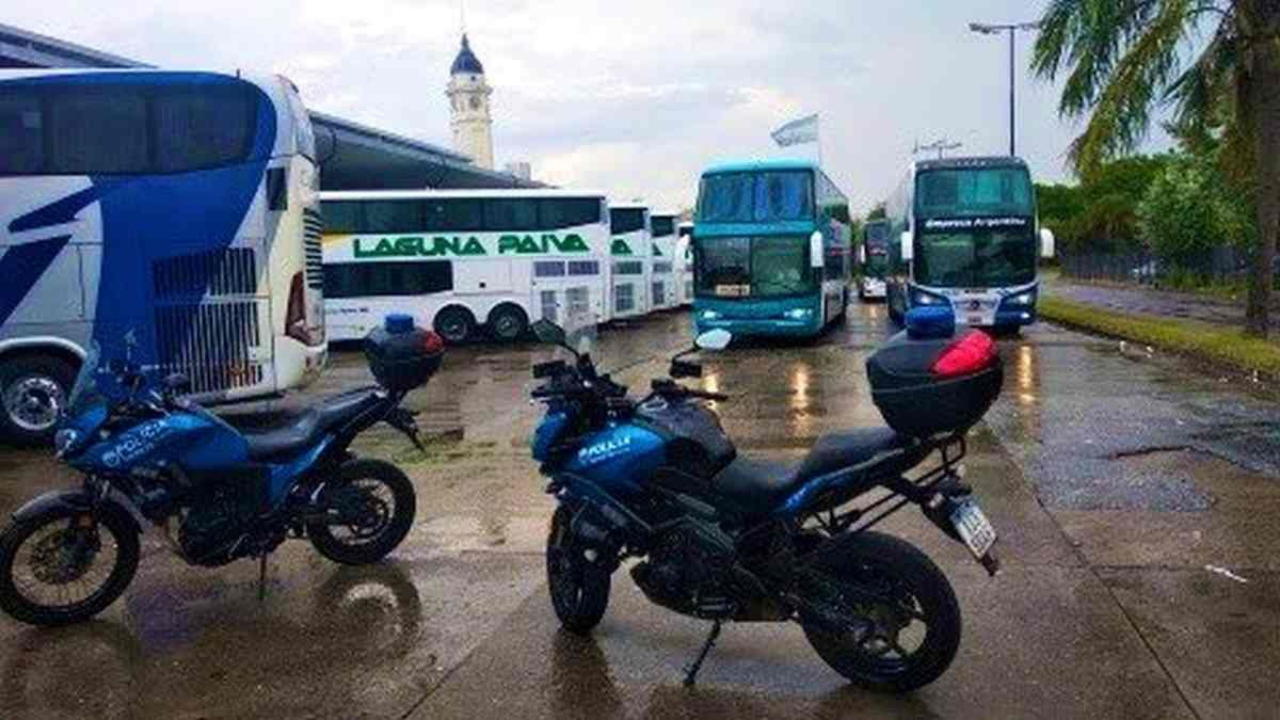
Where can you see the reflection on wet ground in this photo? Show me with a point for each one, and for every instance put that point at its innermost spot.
(1115, 479)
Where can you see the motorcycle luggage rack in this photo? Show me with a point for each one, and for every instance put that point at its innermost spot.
(952, 448)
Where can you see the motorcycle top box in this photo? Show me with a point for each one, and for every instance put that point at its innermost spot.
(928, 380)
(402, 357)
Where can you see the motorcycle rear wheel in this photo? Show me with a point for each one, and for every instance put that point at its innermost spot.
(579, 591)
(384, 499)
(57, 549)
(916, 592)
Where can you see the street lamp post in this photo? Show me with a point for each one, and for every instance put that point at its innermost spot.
(1012, 29)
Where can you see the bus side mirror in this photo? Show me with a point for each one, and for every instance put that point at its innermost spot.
(1047, 249)
(908, 246)
(816, 250)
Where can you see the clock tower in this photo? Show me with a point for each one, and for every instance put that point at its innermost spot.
(468, 95)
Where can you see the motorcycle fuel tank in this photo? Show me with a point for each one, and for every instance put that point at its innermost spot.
(620, 458)
(193, 441)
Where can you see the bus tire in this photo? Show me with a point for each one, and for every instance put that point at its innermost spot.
(508, 322)
(34, 389)
(455, 324)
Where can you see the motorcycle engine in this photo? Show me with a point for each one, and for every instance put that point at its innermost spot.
(689, 571)
(213, 525)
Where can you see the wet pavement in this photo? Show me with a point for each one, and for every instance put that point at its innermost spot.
(1136, 498)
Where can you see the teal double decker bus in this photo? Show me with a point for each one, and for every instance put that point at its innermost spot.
(771, 249)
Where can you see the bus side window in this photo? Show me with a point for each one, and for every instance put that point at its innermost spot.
(21, 134)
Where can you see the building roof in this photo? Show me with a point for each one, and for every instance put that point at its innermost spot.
(24, 49)
(466, 63)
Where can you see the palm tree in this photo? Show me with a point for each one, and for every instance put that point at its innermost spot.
(1216, 62)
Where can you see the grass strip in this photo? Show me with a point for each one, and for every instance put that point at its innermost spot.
(1212, 343)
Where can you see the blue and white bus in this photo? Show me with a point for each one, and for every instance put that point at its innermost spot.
(771, 249)
(173, 212)
(966, 234)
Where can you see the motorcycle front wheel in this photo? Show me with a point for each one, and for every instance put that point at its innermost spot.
(901, 616)
(64, 566)
(579, 590)
(368, 510)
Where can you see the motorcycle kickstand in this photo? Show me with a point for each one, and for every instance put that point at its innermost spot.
(262, 577)
(691, 672)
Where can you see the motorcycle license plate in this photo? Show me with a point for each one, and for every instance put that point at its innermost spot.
(974, 528)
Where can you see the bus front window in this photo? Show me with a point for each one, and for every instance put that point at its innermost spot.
(741, 197)
(976, 259)
(779, 266)
(758, 267)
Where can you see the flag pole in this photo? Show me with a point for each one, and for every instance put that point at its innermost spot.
(819, 123)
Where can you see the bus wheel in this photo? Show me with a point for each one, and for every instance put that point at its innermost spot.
(508, 323)
(456, 325)
(33, 392)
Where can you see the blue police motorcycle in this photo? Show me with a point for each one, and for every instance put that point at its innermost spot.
(218, 493)
(722, 537)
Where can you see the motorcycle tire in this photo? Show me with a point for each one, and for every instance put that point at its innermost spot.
(579, 591)
(884, 559)
(362, 548)
(23, 608)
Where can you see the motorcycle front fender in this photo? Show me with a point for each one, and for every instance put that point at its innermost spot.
(71, 501)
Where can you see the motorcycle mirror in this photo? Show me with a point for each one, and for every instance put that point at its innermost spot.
(548, 332)
(717, 339)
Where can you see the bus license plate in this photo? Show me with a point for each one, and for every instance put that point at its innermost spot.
(974, 320)
(974, 528)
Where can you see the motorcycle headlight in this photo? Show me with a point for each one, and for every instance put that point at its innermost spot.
(799, 313)
(64, 440)
(1026, 298)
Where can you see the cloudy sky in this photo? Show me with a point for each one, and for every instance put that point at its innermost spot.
(632, 98)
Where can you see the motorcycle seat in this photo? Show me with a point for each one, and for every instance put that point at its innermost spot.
(306, 428)
(757, 487)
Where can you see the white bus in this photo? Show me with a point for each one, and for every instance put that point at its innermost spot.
(632, 255)
(684, 263)
(463, 261)
(664, 292)
(178, 209)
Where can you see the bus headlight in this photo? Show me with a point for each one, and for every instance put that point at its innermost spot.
(1026, 298)
(710, 315)
(920, 297)
(799, 313)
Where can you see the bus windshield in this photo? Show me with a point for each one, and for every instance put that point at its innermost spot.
(978, 258)
(756, 197)
(974, 192)
(753, 267)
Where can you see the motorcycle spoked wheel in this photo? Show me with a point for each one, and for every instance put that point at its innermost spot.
(579, 591)
(377, 504)
(64, 566)
(904, 639)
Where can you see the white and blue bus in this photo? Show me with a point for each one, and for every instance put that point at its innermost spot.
(464, 262)
(632, 268)
(664, 293)
(176, 213)
(966, 234)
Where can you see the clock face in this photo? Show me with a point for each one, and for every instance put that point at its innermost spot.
(475, 103)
